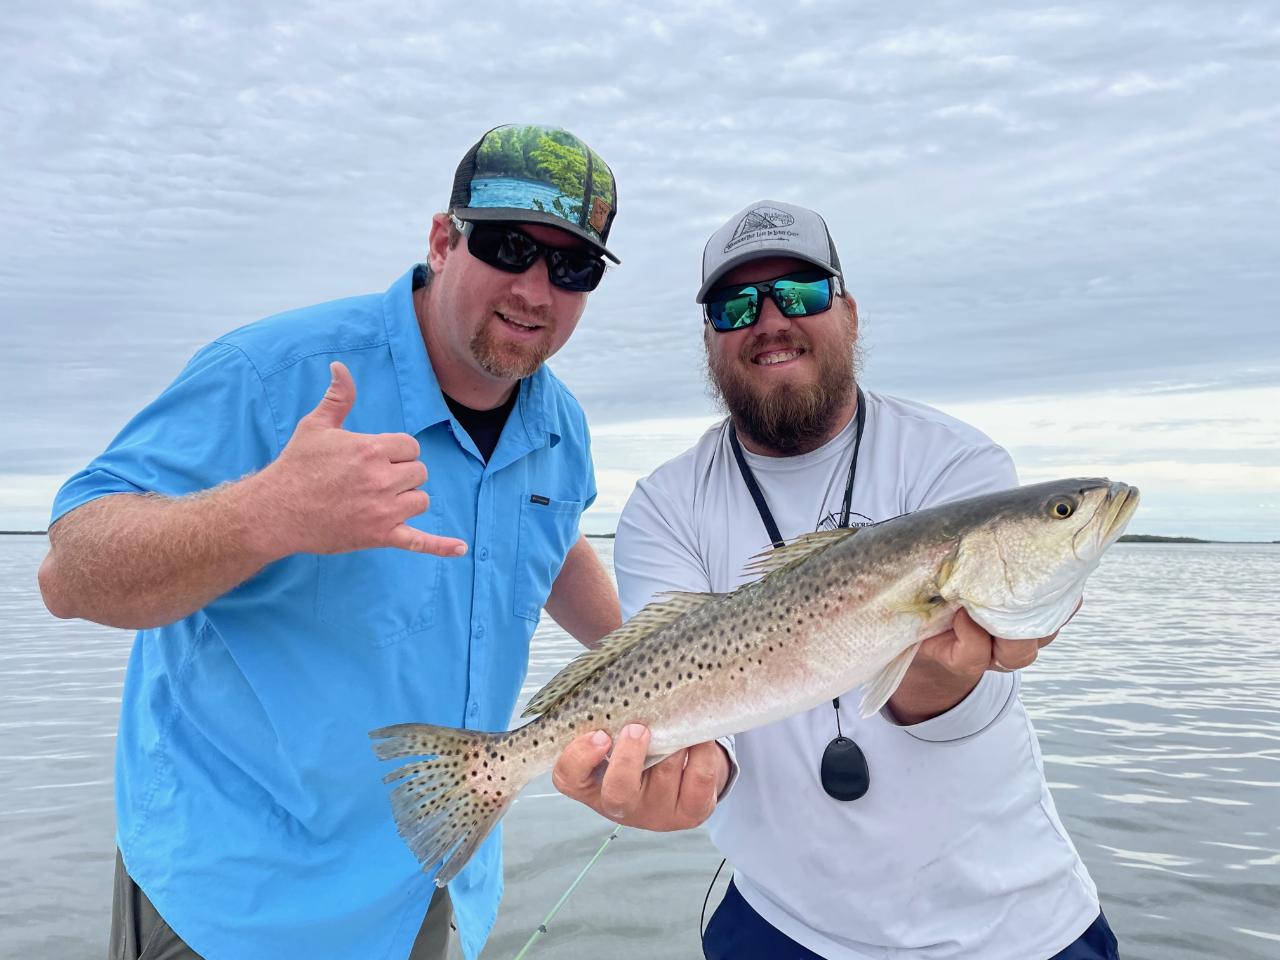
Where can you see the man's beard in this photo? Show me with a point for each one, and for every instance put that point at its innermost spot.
(790, 418)
(506, 360)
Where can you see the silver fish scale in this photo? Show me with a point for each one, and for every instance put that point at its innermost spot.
(749, 657)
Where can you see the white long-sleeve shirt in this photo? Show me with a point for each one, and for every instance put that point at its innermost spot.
(956, 851)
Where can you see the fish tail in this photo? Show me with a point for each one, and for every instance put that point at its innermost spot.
(449, 800)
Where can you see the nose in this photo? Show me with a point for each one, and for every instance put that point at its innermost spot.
(534, 285)
(771, 318)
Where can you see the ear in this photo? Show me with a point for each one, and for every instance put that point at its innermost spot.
(853, 309)
(438, 248)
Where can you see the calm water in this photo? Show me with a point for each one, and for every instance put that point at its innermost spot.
(1158, 711)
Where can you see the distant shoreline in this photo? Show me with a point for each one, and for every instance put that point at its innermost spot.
(1127, 538)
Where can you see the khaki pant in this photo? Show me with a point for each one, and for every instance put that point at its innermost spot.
(139, 933)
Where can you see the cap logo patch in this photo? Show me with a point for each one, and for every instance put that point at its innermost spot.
(762, 223)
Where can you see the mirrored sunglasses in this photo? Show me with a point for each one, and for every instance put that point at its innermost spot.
(505, 248)
(802, 294)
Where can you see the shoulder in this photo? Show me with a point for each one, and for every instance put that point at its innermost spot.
(675, 485)
(914, 420)
(933, 456)
(284, 339)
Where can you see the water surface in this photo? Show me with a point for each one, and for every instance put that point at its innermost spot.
(1158, 711)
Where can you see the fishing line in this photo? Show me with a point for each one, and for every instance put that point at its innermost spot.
(542, 927)
(702, 920)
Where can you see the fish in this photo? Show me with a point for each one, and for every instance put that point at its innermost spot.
(831, 611)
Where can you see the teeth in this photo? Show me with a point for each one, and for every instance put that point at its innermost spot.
(517, 323)
(780, 356)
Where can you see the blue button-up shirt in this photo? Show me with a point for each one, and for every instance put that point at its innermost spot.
(250, 807)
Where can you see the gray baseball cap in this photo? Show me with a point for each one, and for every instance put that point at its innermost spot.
(768, 228)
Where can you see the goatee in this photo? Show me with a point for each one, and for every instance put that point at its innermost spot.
(507, 360)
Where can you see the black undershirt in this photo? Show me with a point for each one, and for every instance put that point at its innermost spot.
(484, 426)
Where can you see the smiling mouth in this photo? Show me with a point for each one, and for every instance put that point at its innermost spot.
(770, 358)
(521, 325)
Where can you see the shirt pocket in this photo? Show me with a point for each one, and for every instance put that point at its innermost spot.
(380, 596)
(548, 528)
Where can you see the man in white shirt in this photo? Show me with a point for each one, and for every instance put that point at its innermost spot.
(931, 835)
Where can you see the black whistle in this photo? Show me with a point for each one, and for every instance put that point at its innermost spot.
(844, 772)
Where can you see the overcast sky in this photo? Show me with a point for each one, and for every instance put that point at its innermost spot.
(1060, 222)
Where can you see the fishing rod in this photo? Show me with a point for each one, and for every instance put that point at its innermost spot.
(542, 927)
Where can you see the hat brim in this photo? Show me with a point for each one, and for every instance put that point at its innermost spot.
(712, 281)
(519, 215)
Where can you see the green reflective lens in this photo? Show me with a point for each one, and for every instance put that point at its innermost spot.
(799, 298)
(796, 295)
(738, 311)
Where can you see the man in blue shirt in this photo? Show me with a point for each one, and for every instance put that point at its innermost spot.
(297, 579)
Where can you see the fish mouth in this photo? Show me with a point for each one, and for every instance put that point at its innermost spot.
(1121, 502)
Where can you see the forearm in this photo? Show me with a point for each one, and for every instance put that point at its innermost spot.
(583, 600)
(137, 561)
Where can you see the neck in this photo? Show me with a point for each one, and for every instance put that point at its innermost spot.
(458, 377)
(838, 423)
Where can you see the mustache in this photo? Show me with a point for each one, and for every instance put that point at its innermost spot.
(781, 340)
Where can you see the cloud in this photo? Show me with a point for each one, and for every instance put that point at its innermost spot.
(1028, 201)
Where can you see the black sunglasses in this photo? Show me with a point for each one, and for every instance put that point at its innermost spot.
(801, 294)
(506, 248)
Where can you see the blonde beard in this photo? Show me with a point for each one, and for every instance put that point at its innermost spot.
(508, 361)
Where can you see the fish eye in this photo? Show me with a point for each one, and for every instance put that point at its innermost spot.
(1061, 507)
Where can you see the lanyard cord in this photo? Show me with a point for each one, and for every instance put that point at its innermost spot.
(766, 515)
(762, 506)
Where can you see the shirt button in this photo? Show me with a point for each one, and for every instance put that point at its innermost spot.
(484, 553)
(473, 710)
(480, 630)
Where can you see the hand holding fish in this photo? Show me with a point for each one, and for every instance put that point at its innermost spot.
(332, 490)
(949, 665)
(675, 794)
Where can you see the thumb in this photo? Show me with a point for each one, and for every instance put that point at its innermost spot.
(337, 400)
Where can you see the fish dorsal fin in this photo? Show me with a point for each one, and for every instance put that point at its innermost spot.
(793, 551)
(665, 609)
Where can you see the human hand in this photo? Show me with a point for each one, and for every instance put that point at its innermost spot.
(334, 491)
(678, 793)
(949, 665)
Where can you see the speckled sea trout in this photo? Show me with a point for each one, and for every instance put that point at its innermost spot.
(833, 611)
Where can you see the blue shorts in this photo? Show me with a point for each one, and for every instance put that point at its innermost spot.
(736, 932)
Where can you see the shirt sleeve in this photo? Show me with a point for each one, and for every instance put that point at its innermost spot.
(211, 425)
(977, 469)
(589, 481)
(654, 552)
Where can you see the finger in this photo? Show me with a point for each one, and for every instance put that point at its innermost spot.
(337, 401)
(1013, 654)
(620, 789)
(662, 785)
(408, 476)
(398, 447)
(411, 503)
(972, 649)
(574, 774)
(405, 537)
(701, 783)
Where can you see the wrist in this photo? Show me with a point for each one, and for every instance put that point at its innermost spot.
(922, 702)
(252, 510)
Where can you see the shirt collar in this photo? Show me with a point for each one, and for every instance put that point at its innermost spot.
(420, 395)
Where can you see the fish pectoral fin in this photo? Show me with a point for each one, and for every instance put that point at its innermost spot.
(923, 605)
(654, 759)
(884, 683)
